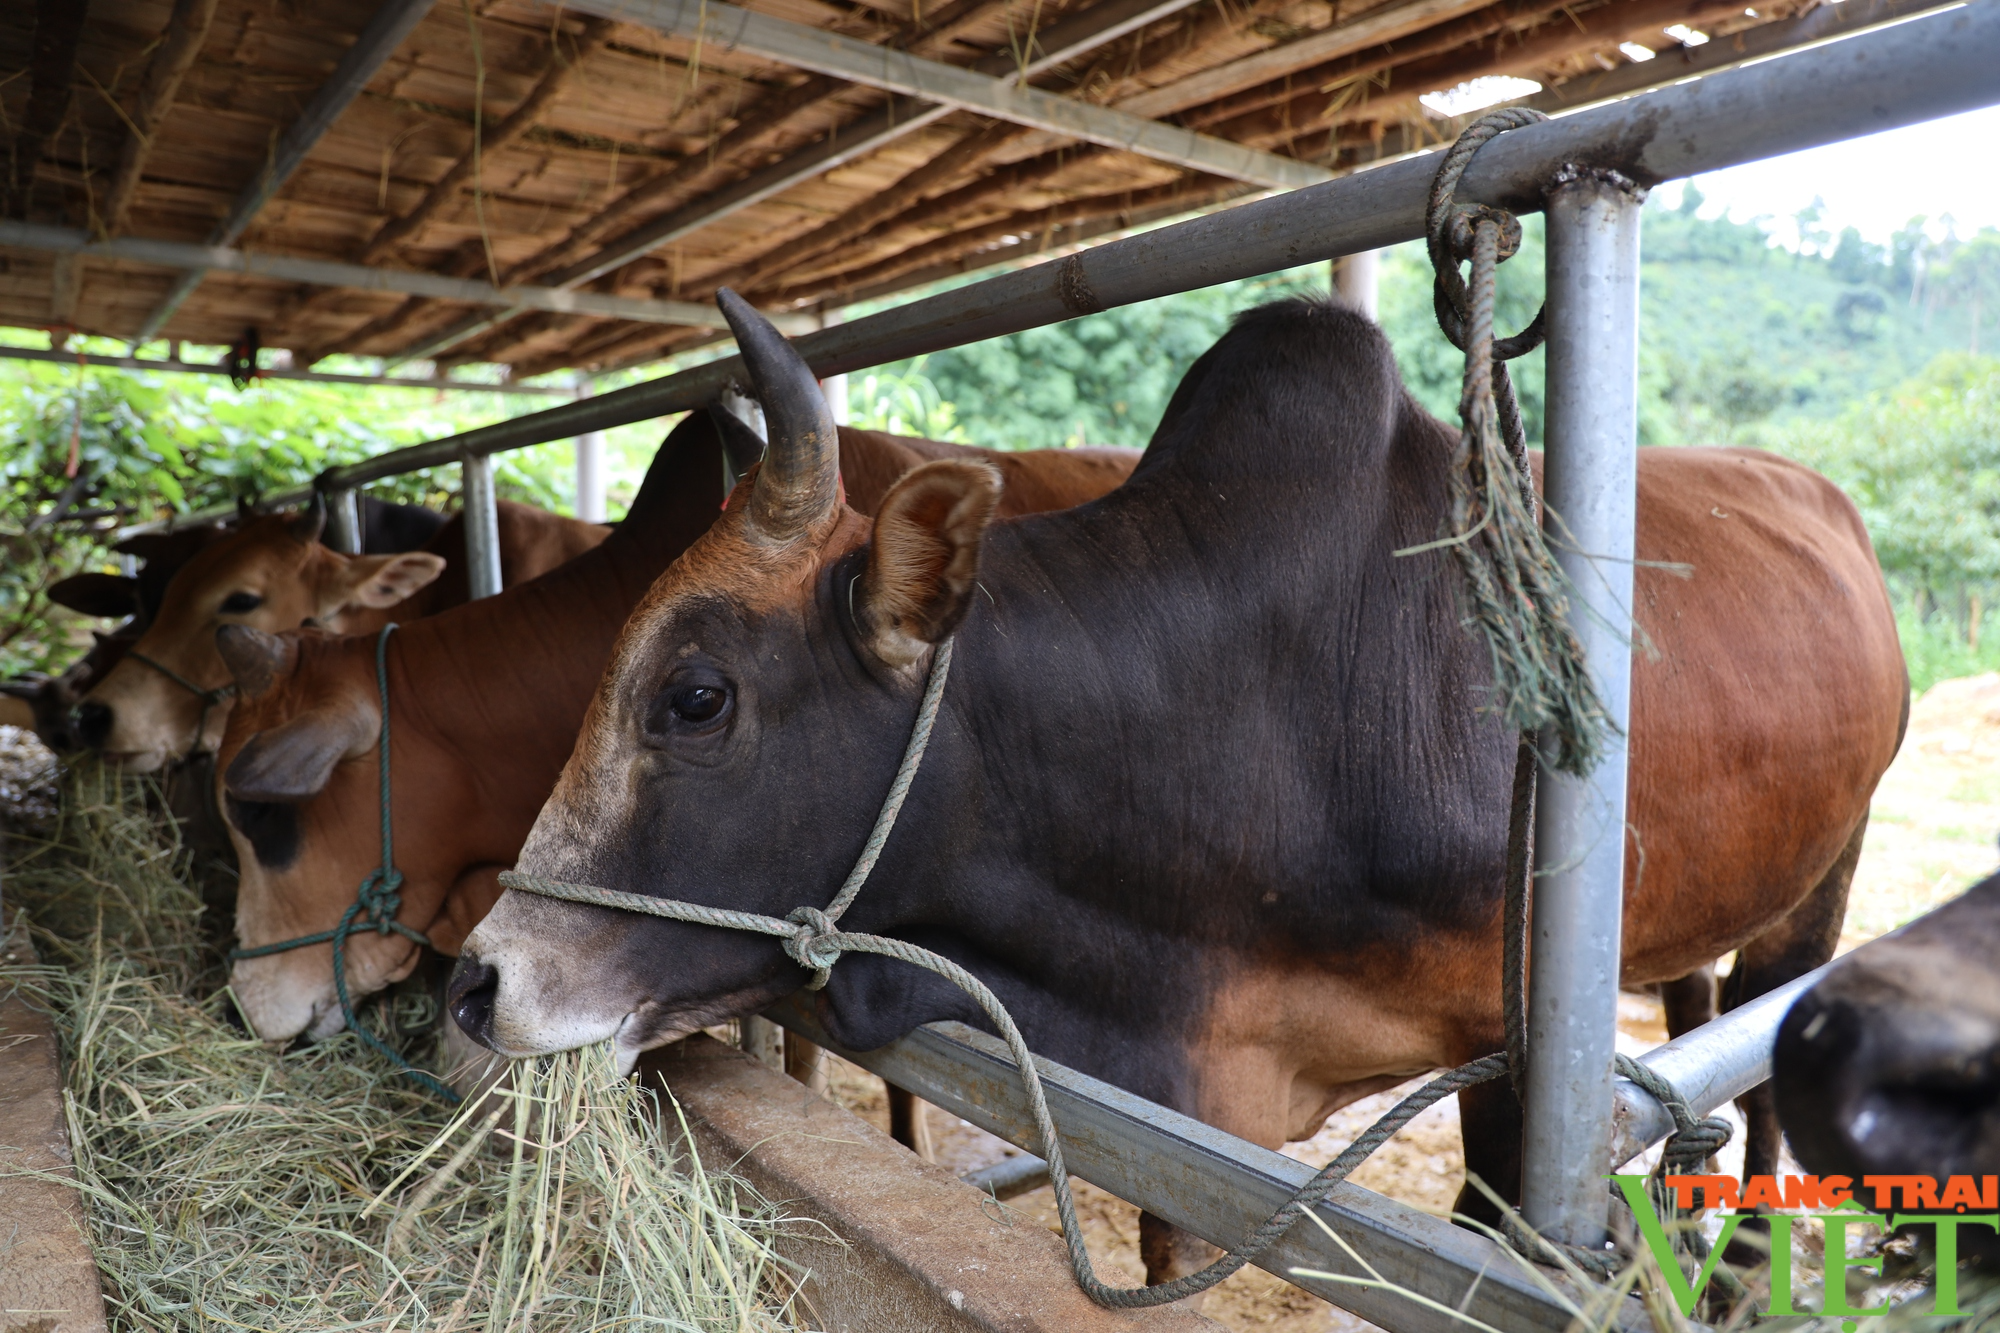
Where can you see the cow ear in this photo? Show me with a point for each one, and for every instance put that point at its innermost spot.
(291, 763)
(97, 594)
(255, 659)
(925, 556)
(379, 581)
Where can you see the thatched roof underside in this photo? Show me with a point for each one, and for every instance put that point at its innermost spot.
(593, 129)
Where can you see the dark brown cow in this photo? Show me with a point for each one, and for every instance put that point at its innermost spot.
(50, 701)
(1890, 1065)
(274, 574)
(485, 703)
(1211, 803)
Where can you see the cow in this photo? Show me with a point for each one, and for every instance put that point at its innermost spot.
(1212, 803)
(135, 599)
(485, 702)
(1890, 1064)
(167, 699)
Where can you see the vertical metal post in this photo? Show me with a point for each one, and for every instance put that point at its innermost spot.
(343, 522)
(1357, 280)
(834, 386)
(1591, 486)
(482, 524)
(590, 476)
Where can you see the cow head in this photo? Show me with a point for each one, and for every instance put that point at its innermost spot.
(1890, 1065)
(299, 778)
(271, 575)
(740, 741)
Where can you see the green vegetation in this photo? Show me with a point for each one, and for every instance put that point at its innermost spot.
(1858, 359)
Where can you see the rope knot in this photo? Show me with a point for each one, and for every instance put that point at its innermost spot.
(1462, 232)
(814, 944)
(381, 899)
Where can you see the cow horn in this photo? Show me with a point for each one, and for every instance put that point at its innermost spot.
(797, 484)
(309, 522)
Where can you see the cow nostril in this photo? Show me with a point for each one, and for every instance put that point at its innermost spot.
(93, 724)
(474, 985)
(232, 1014)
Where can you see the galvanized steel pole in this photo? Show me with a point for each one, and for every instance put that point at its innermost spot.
(1591, 487)
(343, 522)
(482, 524)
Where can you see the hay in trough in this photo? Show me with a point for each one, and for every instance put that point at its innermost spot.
(233, 1186)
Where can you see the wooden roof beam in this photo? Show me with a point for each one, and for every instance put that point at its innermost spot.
(717, 24)
(179, 44)
(1097, 26)
(287, 268)
(378, 41)
(51, 71)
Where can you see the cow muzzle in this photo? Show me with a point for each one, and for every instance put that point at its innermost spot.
(1874, 1085)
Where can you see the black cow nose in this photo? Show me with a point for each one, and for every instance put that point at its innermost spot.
(93, 724)
(473, 987)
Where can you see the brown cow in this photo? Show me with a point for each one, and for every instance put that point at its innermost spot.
(485, 703)
(1211, 802)
(274, 574)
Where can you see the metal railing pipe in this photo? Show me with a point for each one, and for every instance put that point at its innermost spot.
(1591, 485)
(1932, 66)
(482, 525)
(1710, 1066)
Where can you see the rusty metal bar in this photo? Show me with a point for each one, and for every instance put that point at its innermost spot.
(1219, 1187)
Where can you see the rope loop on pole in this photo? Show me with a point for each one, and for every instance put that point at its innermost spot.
(1513, 589)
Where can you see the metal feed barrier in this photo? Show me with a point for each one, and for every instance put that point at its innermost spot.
(1581, 1121)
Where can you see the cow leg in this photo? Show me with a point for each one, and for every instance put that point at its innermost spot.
(1804, 940)
(1169, 1252)
(1689, 1001)
(1489, 1124)
(908, 1125)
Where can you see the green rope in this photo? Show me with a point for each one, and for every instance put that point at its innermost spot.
(379, 898)
(1515, 593)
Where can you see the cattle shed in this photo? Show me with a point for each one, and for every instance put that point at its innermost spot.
(565, 186)
(450, 185)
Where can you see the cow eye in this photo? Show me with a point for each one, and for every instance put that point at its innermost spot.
(238, 603)
(699, 704)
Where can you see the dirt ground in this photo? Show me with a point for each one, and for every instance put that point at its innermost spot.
(1932, 833)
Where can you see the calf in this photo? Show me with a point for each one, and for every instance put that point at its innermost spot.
(485, 702)
(1212, 803)
(168, 698)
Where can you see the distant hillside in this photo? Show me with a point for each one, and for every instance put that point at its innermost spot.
(1736, 332)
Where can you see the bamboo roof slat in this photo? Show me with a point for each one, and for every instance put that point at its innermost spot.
(633, 159)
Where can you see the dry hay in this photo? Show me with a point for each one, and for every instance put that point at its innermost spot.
(230, 1186)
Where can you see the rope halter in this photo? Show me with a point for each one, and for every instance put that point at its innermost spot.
(377, 901)
(209, 698)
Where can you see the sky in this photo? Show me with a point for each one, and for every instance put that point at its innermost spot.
(1874, 185)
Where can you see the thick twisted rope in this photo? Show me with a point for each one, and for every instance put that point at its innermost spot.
(378, 900)
(1517, 602)
(1513, 588)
